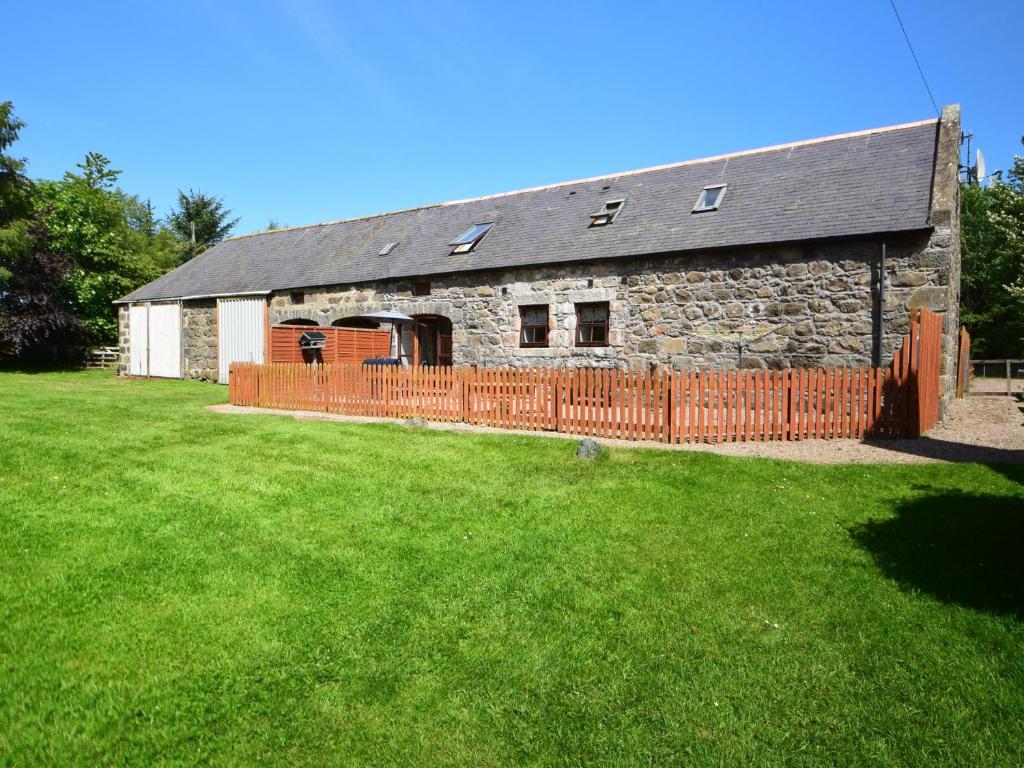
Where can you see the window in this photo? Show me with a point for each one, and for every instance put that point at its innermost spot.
(607, 213)
(710, 198)
(465, 242)
(421, 288)
(534, 326)
(387, 249)
(298, 297)
(592, 325)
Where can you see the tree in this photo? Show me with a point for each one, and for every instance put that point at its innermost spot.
(992, 281)
(90, 222)
(200, 221)
(36, 318)
(37, 305)
(15, 188)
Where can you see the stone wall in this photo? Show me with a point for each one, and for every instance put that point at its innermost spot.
(199, 339)
(944, 247)
(123, 339)
(816, 304)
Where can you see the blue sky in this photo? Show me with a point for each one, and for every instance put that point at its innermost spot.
(309, 110)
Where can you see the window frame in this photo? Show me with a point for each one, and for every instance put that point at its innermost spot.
(464, 244)
(523, 309)
(388, 248)
(297, 297)
(700, 207)
(579, 307)
(605, 213)
(418, 288)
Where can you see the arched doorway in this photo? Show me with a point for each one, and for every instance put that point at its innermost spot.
(433, 340)
(299, 321)
(355, 322)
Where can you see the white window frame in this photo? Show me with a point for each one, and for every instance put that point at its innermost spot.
(700, 207)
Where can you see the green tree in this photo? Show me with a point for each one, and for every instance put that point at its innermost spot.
(109, 236)
(15, 188)
(992, 281)
(199, 221)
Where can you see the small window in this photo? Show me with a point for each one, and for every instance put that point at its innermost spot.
(607, 213)
(387, 249)
(592, 325)
(710, 198)
(298, 297)
(468, 240)
(534, 326)
(421, 288)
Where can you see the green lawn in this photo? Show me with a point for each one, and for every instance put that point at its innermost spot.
(182, 587)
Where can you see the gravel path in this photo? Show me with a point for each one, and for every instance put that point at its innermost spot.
(986, 428)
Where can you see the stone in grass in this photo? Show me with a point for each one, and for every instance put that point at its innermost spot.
(416, 422)
(588, 449)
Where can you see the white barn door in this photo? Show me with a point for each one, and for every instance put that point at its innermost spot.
(154, 340)
(138, 340)
(165, 340)
(242, 325)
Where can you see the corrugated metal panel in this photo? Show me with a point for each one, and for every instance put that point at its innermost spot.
(165, 340)
(138, 340)
(241, 332)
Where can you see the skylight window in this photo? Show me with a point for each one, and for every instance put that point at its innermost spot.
(607, 213)
(387, 249)
(710, 198)
(465, 242)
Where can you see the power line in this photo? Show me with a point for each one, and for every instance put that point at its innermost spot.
(918, 63)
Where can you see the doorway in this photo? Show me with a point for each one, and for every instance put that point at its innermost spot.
(434, 340)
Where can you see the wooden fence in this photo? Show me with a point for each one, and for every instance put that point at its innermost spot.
(344, 345)
(963, 364)
(657, 406)
(101, 357)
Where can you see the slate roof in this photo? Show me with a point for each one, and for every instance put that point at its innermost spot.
(857, 184)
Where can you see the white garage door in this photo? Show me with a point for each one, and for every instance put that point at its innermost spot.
(242, 325)
(154, 340)
(165, 340)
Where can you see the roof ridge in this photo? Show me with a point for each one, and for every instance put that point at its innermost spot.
(603, 177)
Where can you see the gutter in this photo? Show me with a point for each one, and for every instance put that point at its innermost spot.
(191, 298)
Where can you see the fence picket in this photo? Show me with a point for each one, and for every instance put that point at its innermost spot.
(641, 405)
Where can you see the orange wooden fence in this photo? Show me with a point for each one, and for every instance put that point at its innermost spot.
(344, 345)
(657, 406)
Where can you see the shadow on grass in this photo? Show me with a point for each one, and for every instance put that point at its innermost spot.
(964, 549)
(947, 450)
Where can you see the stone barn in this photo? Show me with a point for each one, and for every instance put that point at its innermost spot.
(809, 254)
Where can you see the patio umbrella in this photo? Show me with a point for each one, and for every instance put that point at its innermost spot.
(395, 318)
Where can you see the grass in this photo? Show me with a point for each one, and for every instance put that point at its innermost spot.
(179, 587)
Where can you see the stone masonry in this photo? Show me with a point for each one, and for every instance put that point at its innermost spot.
(199, 339)
(818, 302)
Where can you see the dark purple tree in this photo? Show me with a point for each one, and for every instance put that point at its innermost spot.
(37, 324)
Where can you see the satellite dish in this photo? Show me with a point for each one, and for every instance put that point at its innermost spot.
(979, 167)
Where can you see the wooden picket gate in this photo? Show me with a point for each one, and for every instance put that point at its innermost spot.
(657, 406)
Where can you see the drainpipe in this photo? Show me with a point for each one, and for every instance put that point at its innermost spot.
(880, 325)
